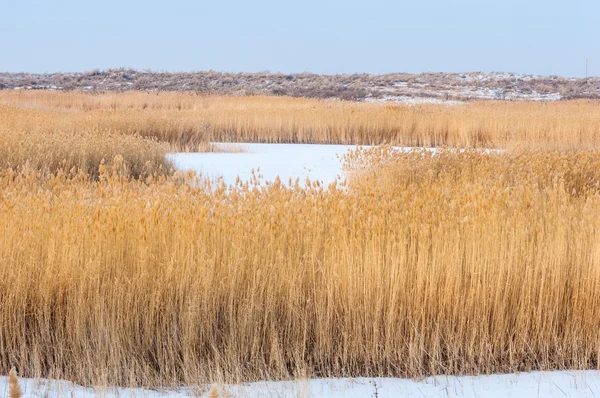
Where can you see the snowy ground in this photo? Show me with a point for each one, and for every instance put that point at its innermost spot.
(412, 100)
(455, 89)
(536, 384)
(316, 162)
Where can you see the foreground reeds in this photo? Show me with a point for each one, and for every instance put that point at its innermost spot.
(460, 262)
(189, 122)
(14, 389)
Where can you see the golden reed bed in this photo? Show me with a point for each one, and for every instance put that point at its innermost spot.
(117, 271)
(189, 121)
(453, 263)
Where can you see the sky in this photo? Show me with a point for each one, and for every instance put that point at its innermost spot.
(542, 37)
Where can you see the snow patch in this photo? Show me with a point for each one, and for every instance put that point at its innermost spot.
(288, 161)
(409, 100)
(534, 384)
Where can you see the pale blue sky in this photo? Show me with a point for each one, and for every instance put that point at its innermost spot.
(321, 36)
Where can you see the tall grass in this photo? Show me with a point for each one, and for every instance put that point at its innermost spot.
(189, 122)
(163, 126)
(83, 151)
(455, 263)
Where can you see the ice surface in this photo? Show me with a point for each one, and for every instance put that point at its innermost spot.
(535, 384)
(317, 162)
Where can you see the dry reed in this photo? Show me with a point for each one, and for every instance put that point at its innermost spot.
(83, 151)
(189, 122)
(455, 263)
(14, 389)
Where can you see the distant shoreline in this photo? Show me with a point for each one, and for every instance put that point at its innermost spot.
(357, 87)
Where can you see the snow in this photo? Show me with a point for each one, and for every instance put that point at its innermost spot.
(535, 384)
(543, 384)
(316, 162)
(455, 91)
(412, 100)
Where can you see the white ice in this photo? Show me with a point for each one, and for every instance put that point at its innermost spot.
(317, 162)
(535, 384)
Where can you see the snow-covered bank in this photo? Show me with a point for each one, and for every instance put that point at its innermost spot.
(316, 162)
(535, 384)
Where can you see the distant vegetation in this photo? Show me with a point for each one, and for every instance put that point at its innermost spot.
(454, 86)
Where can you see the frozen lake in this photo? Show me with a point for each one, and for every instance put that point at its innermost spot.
(525, 385)
(317, 162)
